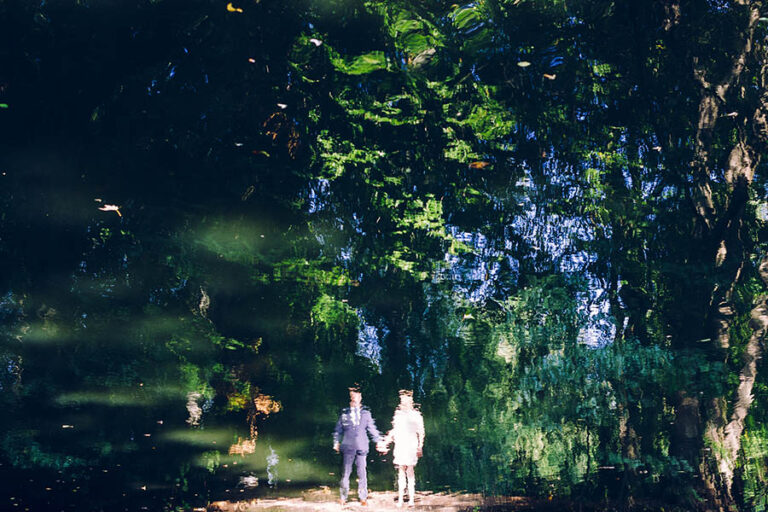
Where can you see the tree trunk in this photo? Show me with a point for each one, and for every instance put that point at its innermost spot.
(721, 230)
(732, 431)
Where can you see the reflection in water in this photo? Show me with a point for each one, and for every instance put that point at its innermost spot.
(205, 303)
(263, 405)
(116, 321)
(408, 435)
(368, 344)
(195, 412)
(272, 461)
(248, 481)
(243, 447)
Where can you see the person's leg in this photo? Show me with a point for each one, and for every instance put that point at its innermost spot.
(411, 486)
(362, 477)
(346, 469)
(400, 485)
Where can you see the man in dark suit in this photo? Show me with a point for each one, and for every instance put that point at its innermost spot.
(350, 437)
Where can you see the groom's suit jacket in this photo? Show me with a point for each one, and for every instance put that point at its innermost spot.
(354, 437)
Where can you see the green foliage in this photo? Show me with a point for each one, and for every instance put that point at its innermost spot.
(361, 64)
(753, 470)
(478, 185)
(331, 313)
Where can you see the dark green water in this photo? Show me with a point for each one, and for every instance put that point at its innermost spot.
(215, 217)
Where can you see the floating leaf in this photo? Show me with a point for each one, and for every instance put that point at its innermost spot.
(248, 193)
(3, 105)
(282, 105)
(479, 165)
(550, 76)
(523, 63)
(260, 152)
(111, 208)
(232, 8)
(315, 42)
(252, 60)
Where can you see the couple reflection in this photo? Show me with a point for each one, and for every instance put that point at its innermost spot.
(350, 438)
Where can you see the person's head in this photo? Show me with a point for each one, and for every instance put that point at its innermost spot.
(355, 396)
(406, 399)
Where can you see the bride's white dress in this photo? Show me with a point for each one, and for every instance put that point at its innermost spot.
(407, 429)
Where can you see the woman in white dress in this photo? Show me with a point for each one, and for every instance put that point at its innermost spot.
(408, 435)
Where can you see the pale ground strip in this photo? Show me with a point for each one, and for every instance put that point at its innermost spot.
(324, 499)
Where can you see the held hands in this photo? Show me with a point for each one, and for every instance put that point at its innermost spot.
(419, 453)
(381, 447)
(336, 447)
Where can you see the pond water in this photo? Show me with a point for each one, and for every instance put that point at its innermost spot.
(113, 413)
(215, 217)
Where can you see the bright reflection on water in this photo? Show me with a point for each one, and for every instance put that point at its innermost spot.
(368, 344)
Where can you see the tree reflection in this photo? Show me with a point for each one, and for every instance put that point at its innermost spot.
(542, 217)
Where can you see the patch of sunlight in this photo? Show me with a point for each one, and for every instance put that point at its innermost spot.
(506, 350)
(282, 460)
(141, 396)
(210, 438)
(164, 325)
(761, 210)
(117, 399)
(45, 333)
(237, 241)
(304, 470)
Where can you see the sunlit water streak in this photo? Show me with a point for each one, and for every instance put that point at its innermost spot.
(272, 461)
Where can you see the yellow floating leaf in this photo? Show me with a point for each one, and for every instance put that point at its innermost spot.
(523, 63)
(232, 8)
(479, 165)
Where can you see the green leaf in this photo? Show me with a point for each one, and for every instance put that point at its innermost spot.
(403, 26)
(416, 43)
(466, 17)
(362, 64)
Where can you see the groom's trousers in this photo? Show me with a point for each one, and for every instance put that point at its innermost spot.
(358, 457)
